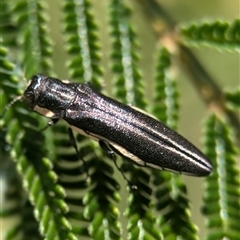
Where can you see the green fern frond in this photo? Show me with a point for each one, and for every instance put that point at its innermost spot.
(9, 176)
(221, 201)
(218, 34)
(100, 202)
(30, 16)
(22, 229)
(233, 107)
(39, 182)
(166, 95)
(82, 42)
(171, 193)
(11, 190)
(129, 89)
(233, 97)
(71, 176)
(129, 86)
(99, 211)
(35, 170)
(83, 196)
(76, 196)
(7, 26)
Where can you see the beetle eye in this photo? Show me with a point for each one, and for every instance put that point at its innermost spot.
(31, 93)
(29, 98)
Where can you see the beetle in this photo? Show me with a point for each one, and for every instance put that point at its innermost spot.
(119, 128)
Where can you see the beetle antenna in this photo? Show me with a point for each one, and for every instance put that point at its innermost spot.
(16, 99)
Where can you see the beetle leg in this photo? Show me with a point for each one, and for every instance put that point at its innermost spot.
(74, 144)
(50, 123)
(111, 154)
(106, 147)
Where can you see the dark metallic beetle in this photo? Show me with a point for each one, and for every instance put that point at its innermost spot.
(121, 128)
